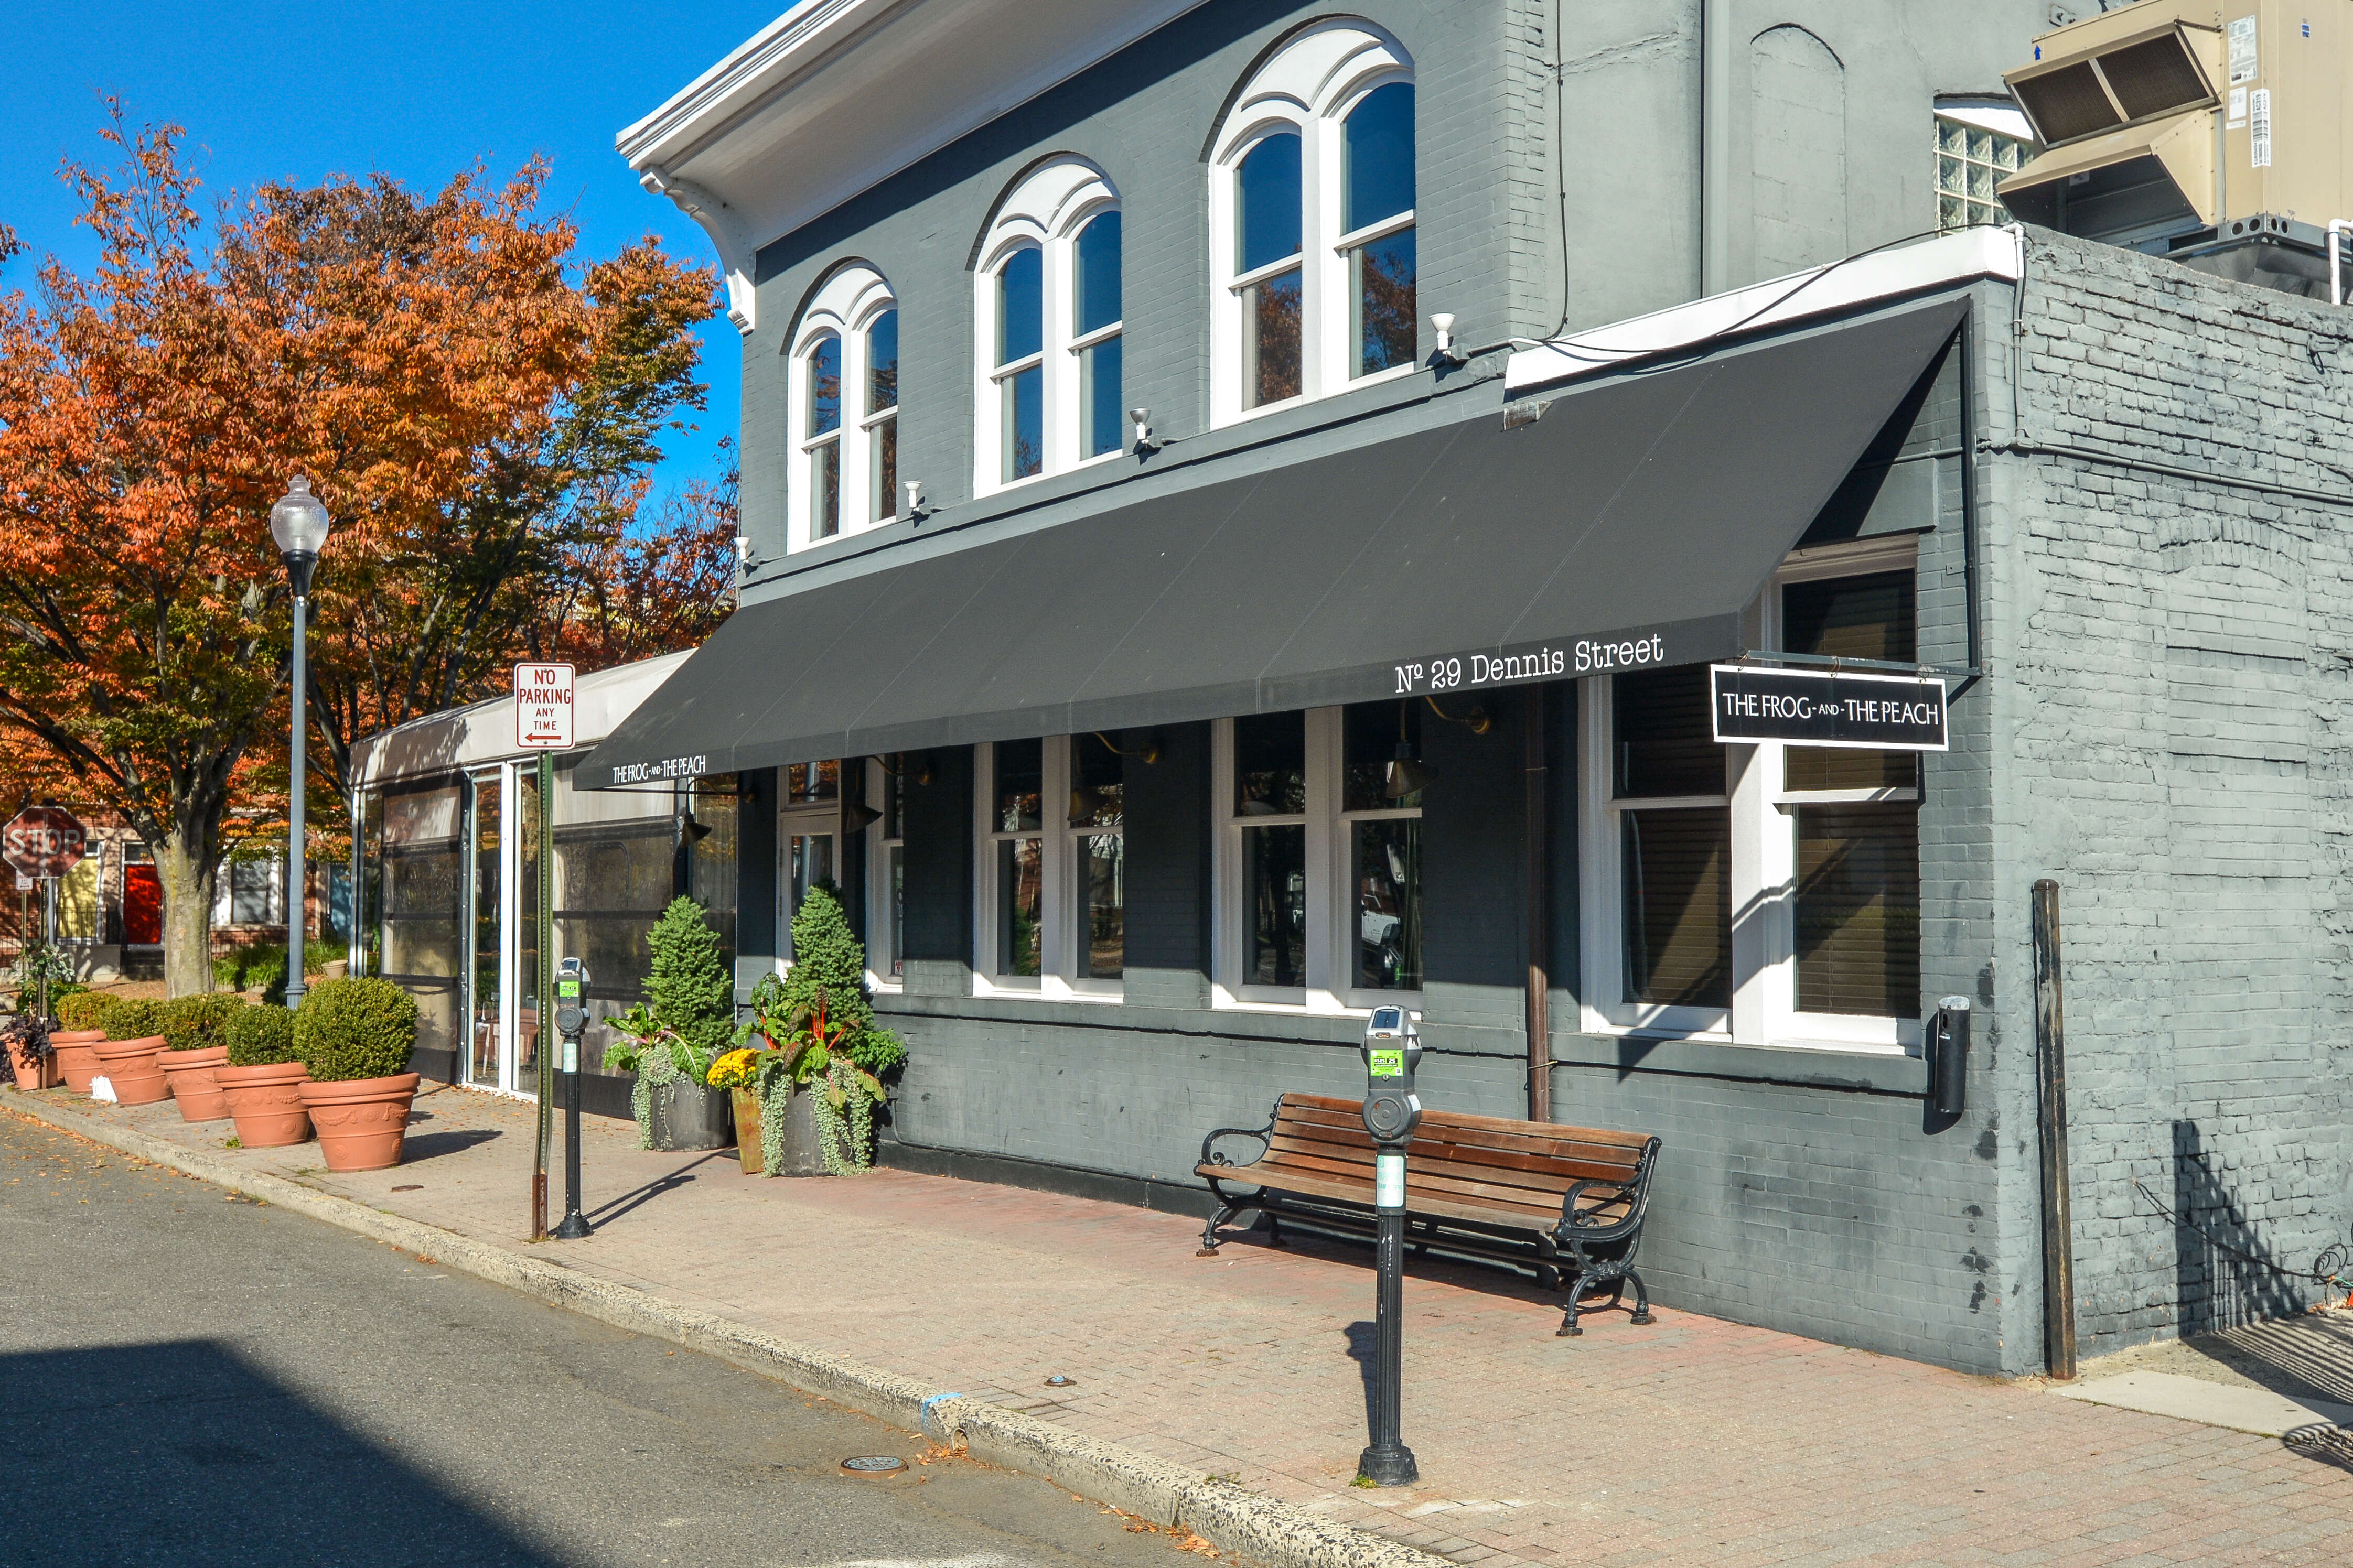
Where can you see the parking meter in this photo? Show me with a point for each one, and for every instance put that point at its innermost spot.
(1392, 1049)
(570, 1018)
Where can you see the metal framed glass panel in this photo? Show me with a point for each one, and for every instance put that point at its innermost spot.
(1377, 231)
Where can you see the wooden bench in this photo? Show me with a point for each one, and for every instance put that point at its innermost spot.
(1562, 1202)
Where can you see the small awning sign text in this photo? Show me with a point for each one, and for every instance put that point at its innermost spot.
(1828, 708)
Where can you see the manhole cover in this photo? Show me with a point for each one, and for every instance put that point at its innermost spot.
(873, 1464)
(1058, 1381)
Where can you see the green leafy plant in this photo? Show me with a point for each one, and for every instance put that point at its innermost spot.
(196, 1022)
(82, 1010)
(688, 1011)
(821, 1022)
(687, 987)
(261, 966)
(355, 1028)
(260, 1037)
(130, 1018)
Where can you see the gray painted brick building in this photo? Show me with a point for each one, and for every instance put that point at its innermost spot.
(2095, 488)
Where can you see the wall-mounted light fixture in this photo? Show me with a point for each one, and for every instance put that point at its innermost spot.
(745, 555)
(1146, 441)
(1408, 774)
(1445, 354)
(1478, 721)
(917, 509)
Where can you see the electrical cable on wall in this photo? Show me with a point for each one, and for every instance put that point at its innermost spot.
(2328, 1270)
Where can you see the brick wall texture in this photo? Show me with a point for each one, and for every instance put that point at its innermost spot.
(2171, 665)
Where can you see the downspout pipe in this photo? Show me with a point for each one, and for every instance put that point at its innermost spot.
(1715, 146)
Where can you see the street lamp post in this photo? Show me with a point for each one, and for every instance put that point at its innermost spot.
(299, 524)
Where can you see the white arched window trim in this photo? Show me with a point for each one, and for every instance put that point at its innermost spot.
(1309, 87)
(1045, 212)
(849, 303)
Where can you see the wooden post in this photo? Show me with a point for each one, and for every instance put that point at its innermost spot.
(2050, 1076)
(1539, 892)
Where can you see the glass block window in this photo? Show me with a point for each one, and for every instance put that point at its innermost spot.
(1969, 159)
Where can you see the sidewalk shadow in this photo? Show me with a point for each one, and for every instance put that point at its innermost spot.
(1467, 1274)
(1364, 1349)
(212, 1461)
(426, 1145)
(681, 1177)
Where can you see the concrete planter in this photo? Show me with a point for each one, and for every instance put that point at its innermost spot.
(803, 1155)
(682, 1115)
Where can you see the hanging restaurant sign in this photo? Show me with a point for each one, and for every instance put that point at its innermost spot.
(1828, 708)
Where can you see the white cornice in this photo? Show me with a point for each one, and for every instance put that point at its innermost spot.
(836, 96)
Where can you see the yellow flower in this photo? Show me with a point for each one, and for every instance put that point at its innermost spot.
(732, 1070)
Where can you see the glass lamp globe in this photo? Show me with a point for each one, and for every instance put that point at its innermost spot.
(298, 521)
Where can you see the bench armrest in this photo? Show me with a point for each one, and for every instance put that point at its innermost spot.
(1212, 1157)
(1572, 1217)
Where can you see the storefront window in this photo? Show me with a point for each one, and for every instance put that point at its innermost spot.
(1321, 863)
(1769, 893)
(1098, 850)
(1015, 794)
(1270, 796)
(1857, 870)
(886, 945)
(1384, 837)
(488, 922)
(424, 939)
(1673, 858)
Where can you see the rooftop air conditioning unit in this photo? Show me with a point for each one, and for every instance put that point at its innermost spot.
(2215, 134)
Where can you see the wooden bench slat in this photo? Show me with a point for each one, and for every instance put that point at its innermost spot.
(1541, 1210)
(1538, 1187)
(1350, 1112)
(1426, 1203)
(1532, 1169)
(1570, 1143)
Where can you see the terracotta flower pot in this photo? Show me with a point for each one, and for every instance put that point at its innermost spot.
(130, 1066)
(361, 1121)
(34, 1072)
(267, 1102)
(76, 1057)
(747, 1130)
(192, 1083)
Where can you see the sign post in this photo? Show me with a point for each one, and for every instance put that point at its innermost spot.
(43, 842)
(543, 694)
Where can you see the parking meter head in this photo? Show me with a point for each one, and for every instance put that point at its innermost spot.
(571, 996)
(1392, 1050)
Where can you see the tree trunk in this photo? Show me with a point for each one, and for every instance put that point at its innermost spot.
(187, 874)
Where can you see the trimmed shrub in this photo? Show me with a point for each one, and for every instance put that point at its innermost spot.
(354, 1029)
(689, 988)
(829, 960)
(82, 1010)
(260, 1036)
(126, 1018)
(196, 1022)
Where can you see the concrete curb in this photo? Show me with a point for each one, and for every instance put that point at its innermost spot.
(1229, 1517)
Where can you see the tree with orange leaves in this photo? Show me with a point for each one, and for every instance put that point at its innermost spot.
(425, 364)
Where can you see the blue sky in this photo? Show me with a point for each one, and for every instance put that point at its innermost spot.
(416, 90)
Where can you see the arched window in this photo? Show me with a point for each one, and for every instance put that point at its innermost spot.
(842, 397)
(1311, 207)
(1047, 384)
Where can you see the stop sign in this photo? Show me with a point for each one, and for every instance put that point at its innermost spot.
(43, 841)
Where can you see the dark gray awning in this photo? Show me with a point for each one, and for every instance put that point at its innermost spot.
(1629, 526)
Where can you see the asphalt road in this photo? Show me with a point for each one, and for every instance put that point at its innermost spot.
(189, 1379)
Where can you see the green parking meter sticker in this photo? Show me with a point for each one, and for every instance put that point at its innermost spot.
(1388, 1064)
(567, 989)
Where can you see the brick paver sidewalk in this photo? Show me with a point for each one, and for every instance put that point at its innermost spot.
(1695, 1441)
